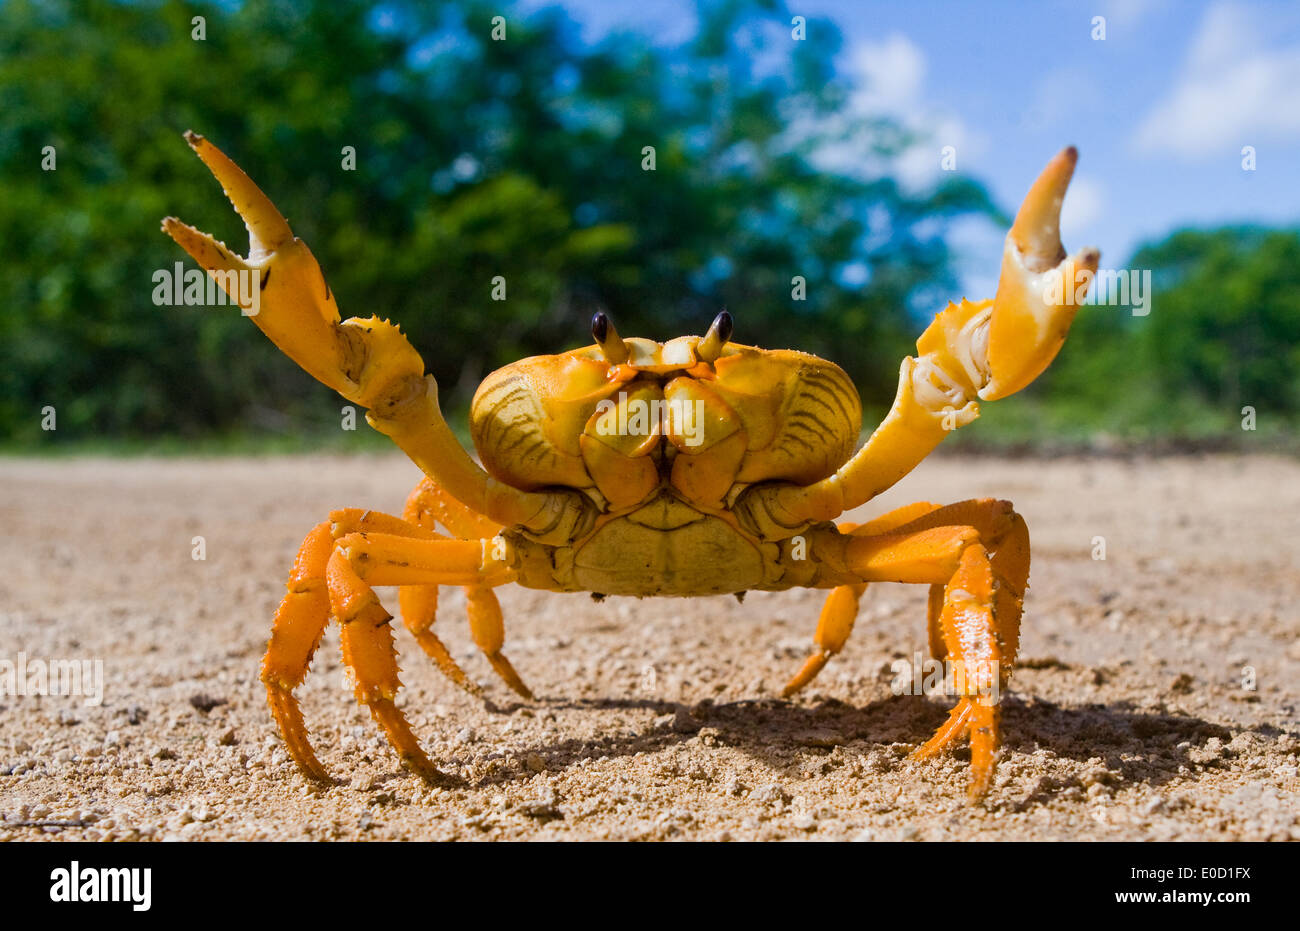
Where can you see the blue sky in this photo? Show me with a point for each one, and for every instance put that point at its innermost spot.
(1160, 109)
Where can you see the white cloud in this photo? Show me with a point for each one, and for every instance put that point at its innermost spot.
(1234, 91)
(890, 77)
(1061, 99)
(1128, 14)
(892, 73)
(1083, 206)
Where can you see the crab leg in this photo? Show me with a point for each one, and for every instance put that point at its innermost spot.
(1005, 536)
(976, 553)
(363, 560)
(301, 620)
(419, 603)
(419, 608)
(833, 629)
(299, 623)
(1002, 531)
(428, 504)
(368, 651)
(488, 629)
(369, 362)
(392, 559)
(972, 351)
(970, 633)
(841, 607)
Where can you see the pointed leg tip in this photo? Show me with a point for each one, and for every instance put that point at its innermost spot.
(981, 780)
(318, 776)
(423, 767)
(519, 688)
(1070, 154)
(811, 667)
(509, 676)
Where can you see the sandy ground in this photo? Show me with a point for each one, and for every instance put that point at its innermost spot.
(656, 719)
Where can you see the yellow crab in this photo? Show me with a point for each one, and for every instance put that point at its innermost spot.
(693, 467)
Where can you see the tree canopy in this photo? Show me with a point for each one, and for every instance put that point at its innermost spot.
(475, 157)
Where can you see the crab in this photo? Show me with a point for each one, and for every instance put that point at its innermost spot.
(697, 466)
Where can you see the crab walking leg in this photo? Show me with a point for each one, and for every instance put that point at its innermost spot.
(361, 520)
(488, 628)
(841, 607)
(368, 651)
(428, 504)
(1005, 536)
(971, 351)
(933, 629)
(301, 620)
(955, 557)
(419, 607)
(479, 565)
(369, 362)
(833, 629)
(928, 556)
(390, 559)
(419, 603)
(971, 636)
(361, 561)
(299, 623)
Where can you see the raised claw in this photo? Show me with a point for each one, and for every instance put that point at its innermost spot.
(267, 229)
(294, 308)
(368, 361)
(1039, 288)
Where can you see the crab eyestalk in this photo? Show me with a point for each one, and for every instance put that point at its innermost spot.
(611, 344)
(1040, 286)
(711, 346)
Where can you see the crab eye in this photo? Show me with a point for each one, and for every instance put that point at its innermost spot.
(711, 346)
(607, 338)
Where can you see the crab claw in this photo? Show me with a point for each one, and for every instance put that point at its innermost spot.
(294, 306)
(1040, 287)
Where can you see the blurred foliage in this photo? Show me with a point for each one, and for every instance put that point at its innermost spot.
(523, 158)
(1221, 333)
(474, 158)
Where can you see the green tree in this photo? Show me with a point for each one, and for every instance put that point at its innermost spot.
(473, 158)
(1225, 326)
(1222, 333)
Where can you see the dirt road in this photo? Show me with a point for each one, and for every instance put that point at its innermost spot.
(1131, 716)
